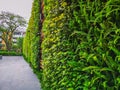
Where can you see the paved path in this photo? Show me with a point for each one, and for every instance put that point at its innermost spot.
(15, 74)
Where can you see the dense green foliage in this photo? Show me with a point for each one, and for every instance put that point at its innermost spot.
(80, 49)
(31, 43)
(56, 48)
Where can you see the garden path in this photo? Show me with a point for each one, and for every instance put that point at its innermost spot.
(15, 74)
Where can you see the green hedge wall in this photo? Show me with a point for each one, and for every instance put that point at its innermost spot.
(31, 44)
(57, 51)
(81, 44)
(81, 48)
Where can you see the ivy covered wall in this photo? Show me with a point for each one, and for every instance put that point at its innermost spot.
(80, 49)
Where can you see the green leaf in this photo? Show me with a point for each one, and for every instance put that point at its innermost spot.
(91, 68)
(115, 50)
(105, 69)
(70, 89)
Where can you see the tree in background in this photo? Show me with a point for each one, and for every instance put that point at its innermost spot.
(17, 47)
(9, 23)
(19, 44)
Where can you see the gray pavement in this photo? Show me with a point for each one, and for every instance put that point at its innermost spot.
(15, 74)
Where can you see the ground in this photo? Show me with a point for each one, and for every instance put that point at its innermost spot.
(15, 74)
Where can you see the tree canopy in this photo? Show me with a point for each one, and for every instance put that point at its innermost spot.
(9, 23)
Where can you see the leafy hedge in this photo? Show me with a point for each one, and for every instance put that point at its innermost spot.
(10, 53)
(57, 52)
(81, 48)
(31, 43)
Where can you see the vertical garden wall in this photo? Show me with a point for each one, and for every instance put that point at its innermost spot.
(56, 47)
(81, 45)
(31, 44)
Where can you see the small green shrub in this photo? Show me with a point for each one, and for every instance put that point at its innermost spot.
(10, 53)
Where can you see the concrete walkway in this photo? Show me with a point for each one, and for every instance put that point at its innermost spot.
(15, 74)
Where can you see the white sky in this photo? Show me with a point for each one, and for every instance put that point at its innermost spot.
(20, 7)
